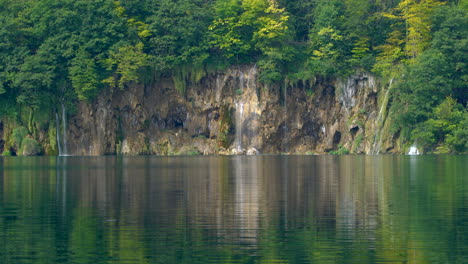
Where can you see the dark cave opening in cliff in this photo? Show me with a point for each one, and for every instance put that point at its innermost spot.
(336, 138)
(354, 131)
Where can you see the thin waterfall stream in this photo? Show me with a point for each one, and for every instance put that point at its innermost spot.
(240, 113)
(64, 130)
(57, 131)
(61, 132)
(285, 126)
(379, 122)
(239, 120)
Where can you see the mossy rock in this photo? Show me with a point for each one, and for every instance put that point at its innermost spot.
(443, 150)
(51, 151)
(30, 147)
(340, 151)
(187, 151)
(17, 137)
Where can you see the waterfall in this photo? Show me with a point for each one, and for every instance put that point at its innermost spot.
(57, 131)
(348, 91)
(251, 78)
(239, 113)
(62, 139)
(285, 127)
(247, 112)
(64, 130)
(241, 81)
(377, 144)
(413, 150)
(239, 120)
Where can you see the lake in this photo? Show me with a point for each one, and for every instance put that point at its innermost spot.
(234, 209)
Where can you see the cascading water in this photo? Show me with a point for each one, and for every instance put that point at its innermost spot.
(251, 78)
(239, 120)
(57, 132)
(377, 144)
(285, 126)
(62, 139)
(247, 112)
(239, 113)
(413, 150)
(64, 127)
(241, 80)
(220, 83)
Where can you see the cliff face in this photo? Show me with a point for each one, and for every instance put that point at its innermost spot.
(229, 112)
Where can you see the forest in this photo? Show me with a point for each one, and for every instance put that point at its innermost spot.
(55, 52)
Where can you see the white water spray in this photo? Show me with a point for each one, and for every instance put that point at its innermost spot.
(413, 150)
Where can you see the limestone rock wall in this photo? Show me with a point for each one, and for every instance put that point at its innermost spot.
(230, 112)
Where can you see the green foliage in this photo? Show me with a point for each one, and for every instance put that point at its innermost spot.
(248, 30)
(431, 97)
(389, 61)
(6, 153)
(446, 129)
(8, 107)
(358, 142)
(457, 140)
(228, 29)
(84, 76)
(179, 77)
(30, 147)
(450, 28)
(17, 136)
(187, 152)
(126, 63)
(45, 44)
(226, 124)
(178, 32)
(340, 151)
(326, 37)
(416, 15)
(425, 84)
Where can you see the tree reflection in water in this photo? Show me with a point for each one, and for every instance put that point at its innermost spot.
(271, 209)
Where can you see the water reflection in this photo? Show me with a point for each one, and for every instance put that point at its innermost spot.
(270, 209)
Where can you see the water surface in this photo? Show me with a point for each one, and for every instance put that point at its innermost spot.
(262, 209)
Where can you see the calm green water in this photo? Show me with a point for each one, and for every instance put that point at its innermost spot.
(264, 209)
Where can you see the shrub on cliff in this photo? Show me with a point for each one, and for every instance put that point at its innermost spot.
(17, 137)
(340, 151)
(30, 147)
